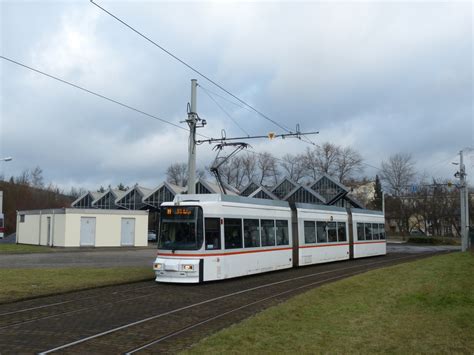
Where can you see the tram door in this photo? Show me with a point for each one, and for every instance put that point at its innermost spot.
(294, 236)
(351, 233)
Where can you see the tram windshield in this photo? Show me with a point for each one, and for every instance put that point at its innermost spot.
(181, 228)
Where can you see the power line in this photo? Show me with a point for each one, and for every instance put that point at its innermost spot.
(223, 110)
(192, 68)
(94, 93)
(225, 99)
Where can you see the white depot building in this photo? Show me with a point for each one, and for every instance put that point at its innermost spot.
(73, 227)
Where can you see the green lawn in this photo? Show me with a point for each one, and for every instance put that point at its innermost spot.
(426, 306)
(19, 284)
(23, 248)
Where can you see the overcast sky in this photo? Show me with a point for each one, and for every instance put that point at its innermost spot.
(382, 77)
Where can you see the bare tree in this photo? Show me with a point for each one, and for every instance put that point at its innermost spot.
(398, 172)
(249, 166)
(293, 166)
(24, 178)
(322, 159)
(348, 162)
(76, 192)
(177, 174)
(37, 179)
(268, 169)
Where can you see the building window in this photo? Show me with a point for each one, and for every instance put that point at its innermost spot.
(22, 218)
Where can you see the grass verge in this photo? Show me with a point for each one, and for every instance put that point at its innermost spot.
(17, 284)
(24, 249)
(426, 306)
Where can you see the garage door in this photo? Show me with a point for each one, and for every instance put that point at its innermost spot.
(87, 231)
(128, 231)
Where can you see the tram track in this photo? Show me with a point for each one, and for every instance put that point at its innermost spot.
(7, 323)
(69, 301)
(182, 330)
(219, 310)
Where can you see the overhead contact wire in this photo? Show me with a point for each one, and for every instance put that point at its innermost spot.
(96, 94)
(223, 110)
(192, 68)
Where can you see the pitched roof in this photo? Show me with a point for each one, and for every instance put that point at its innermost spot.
(174, 189)
(324, 175)
(286, 180)
(262, 190)
(142, 190)
(306, 189)
(355, 202)
(214, 187)
(251, 186)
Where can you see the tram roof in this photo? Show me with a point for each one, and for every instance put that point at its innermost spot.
(337, 208)
(311, 206)
(365, 211)
(229, 198)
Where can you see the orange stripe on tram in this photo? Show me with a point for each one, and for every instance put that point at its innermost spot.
(224, 254)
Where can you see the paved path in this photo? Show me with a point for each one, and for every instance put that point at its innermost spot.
(79, 258)
(420, 248)
(141, 256)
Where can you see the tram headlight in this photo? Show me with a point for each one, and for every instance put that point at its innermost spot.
(157, 266)
(188, 267)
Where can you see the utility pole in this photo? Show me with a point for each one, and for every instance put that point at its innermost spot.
(191, 121)
(464, 197)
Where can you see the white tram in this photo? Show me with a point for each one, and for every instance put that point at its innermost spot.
(212, 237)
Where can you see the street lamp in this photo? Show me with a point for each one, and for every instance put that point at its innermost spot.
(464, 192)
(1, 204)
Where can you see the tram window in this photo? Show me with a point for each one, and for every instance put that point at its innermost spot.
(382, 231)
(233, 233)
(268, 232)
(282, 232)
(341, 231)
(368, 231)
(213, 233)
(251, 233)
(309, 232)
(375, 231)
(360, 231)
(322, 234)
(332, 232)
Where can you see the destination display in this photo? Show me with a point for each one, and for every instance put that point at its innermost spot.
(179, 212)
